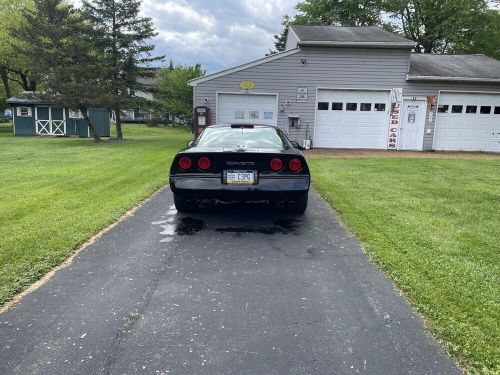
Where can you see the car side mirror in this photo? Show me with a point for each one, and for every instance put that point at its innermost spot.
(296, 144)
(190, 143)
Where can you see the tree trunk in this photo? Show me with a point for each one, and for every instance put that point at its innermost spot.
(118, 123)
(92, 130)
(5, 80)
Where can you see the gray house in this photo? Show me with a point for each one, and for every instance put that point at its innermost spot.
(361, 87)
(32, 115)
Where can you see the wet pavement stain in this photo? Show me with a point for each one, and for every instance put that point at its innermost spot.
(188, 226)
(281, 226)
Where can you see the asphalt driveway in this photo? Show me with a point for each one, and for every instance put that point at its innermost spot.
(237, 290)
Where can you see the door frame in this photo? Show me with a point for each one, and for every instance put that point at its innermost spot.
(244, 93)
(422, 132)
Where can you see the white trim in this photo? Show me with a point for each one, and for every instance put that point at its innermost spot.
(414, 98)
(279, 55)
(290, 28)
(356, 44)
(410, 77)
(388, 106)
(13, 120)
(244, 93)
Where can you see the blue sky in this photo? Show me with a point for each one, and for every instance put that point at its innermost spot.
(216, 33)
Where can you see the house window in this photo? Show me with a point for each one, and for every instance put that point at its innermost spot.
(337, 106)
(457, 108)
(351, 106)
(471, 109)
(443, 108)
(365, 107)
(75, 113)
(485, 109)
(24, 111)
(497, 110)
(323, 106)
(380, 107)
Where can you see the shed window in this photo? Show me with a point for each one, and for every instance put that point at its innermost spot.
(497, 110)
(24, 111)
(443, 108)
(323, 106)
(380, 107)
(485, 109)
(351, 106)
(457, 108)
(75, 113)
(337, 106)
(365, 107)
(471, 109)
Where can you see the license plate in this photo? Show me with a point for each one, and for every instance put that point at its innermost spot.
(240, 177)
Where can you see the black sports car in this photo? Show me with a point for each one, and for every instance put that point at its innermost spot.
(240, 163)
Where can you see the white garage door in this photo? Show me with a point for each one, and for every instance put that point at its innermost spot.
(352, 119)
(246, 109)
(468, 121)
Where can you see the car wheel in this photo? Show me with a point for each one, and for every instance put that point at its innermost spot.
(298, 206)
(184, 205)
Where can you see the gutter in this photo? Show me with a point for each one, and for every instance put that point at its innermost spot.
(411, 77)
(322, 43)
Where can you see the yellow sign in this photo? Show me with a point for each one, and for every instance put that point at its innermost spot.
(247, 85)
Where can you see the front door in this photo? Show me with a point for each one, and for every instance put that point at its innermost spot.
(411, 136)
(50, 121)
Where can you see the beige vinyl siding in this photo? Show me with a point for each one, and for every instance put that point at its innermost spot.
(335, 68)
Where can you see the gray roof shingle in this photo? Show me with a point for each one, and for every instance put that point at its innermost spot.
(27, 97)
(479, 67)
(308, 34)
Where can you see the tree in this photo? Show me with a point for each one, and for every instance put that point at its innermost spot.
(172, 91)
(124, 36)
(15, 71)
(67, 59)
(436, 26)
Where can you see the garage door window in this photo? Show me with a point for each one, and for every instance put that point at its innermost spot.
(380, 107)
(497, 110)
(323, 106)
(457, 108)
(337, 106)
(471, 109)
(365, 107)
(351, 106)
(485, 109)
(443, 108)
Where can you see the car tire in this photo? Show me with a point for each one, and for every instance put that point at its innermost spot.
(184, 205)
(298, 206)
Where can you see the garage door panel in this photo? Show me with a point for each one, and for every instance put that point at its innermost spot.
(246, 108)
(352, 129)
(468, 131)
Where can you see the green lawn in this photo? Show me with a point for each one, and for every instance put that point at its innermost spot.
(57, 192)
(433, 225)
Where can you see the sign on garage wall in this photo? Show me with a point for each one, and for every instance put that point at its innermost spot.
(301, 94)
(395, 118)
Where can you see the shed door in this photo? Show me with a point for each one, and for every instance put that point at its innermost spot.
(352, 119)
(42, 121)
(247, 109)
(468, 121)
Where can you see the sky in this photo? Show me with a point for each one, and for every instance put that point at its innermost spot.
(218, 34)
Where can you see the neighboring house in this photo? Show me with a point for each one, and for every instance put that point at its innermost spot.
(34, 116)
(361, 87)
(139, 114)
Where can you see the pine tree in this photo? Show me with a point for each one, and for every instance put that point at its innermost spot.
(64, 55)
(124, 36)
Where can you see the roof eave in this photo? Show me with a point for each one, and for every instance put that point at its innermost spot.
(412, 77)
(194, 82)
(322, 43)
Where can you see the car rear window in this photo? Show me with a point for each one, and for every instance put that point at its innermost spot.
(258, 137)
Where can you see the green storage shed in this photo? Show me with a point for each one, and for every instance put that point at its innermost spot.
(31, 115)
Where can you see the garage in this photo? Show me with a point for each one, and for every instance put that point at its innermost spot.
(468, 122)
(352, 119)
(247, 108)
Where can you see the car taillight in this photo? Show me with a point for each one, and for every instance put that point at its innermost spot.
(276, 164)
(185, 163)
(295, 165)
(204, 163)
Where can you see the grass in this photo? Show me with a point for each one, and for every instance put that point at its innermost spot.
(57, 192)
(433, 225)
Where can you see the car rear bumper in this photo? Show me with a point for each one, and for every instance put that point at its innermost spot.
(267, 188)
